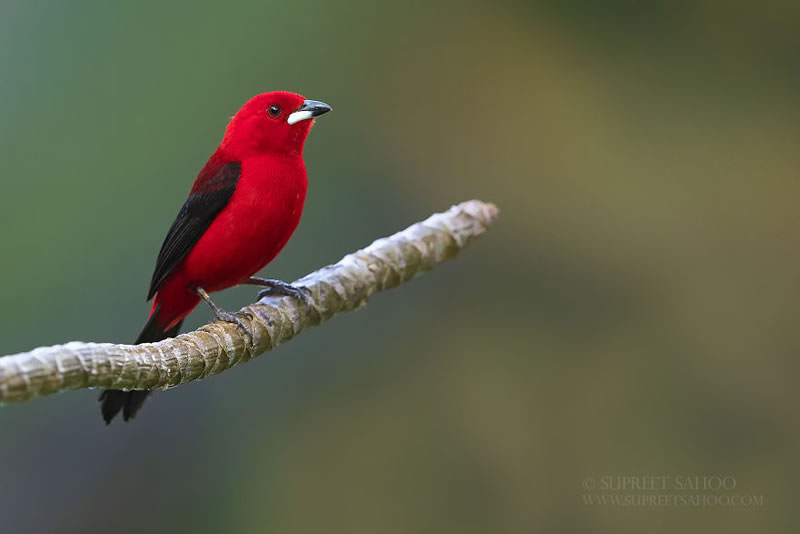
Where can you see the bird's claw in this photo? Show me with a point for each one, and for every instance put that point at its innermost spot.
(233, 318)
(276, 288)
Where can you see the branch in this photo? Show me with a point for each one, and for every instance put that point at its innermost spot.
(218, 346)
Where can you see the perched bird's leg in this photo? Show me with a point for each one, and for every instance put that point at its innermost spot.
(278, 288)
(226, 316)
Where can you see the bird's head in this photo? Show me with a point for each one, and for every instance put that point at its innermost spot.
(272, 122)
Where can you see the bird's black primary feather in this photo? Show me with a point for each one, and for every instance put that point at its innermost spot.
(209, 196)
(197, 213)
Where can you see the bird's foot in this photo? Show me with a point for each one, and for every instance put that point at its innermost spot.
(234, 318)
(278, 288)
(228, 317)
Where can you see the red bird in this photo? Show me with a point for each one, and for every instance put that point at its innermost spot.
(242, 209)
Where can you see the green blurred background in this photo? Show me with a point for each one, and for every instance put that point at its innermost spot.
(634, 311)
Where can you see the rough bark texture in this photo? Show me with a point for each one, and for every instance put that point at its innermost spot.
(215, 347)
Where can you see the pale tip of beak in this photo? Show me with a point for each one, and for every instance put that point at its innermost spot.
(300, 115)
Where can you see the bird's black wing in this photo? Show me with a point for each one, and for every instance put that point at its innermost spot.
(200, 209)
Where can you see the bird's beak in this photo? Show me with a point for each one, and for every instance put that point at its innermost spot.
(309, 110)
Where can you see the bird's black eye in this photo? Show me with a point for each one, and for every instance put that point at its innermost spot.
(274, 111)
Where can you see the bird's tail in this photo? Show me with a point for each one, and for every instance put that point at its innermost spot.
(129, 402)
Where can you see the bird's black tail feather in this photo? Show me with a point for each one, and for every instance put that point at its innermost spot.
(129, 402)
